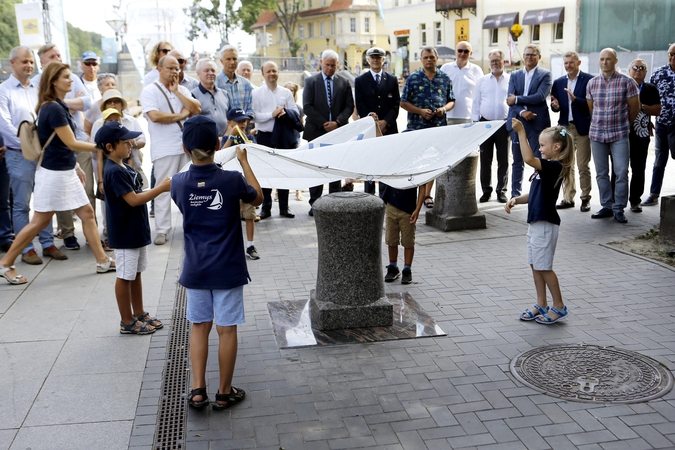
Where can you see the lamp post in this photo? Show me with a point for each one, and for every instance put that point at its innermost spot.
(327, 42)
(116, 25)
(144, 42)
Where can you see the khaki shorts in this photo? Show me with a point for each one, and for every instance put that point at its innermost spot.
(247, 210)
(397, 223)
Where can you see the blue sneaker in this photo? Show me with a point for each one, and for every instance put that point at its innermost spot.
(71, 243)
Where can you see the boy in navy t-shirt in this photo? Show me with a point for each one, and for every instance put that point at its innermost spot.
(128, 225)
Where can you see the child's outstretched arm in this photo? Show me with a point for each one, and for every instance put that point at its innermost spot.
(525, 149)
(249, 175)
(134, 199)
(420, 201)
(516, 200)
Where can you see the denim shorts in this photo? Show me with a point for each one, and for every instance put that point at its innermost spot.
(542, 237)
(227, 305)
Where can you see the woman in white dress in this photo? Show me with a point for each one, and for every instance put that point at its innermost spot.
(58, 180)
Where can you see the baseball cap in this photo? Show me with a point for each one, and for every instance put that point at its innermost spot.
(112, 93)
(200, 132)
(109, 112)
(376, 52)
(89, 55)
(236, 114)
(113, 132)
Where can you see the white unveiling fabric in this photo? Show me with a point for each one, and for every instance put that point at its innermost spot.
(404, 160)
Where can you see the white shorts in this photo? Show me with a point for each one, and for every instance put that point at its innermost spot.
(542, 237)
(130, 261)
(58, 190)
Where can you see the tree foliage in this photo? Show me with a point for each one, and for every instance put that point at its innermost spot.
(221, 17)
(9, 35)
(81, 41)
(250, 11)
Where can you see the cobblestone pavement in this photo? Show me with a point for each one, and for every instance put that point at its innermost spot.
(69, 381)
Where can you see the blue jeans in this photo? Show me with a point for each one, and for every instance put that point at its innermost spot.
(5, 217)
(22, 179)
(518, 166)
(619, 151)
(664, 143)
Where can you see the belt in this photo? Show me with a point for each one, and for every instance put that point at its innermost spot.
(14, 149)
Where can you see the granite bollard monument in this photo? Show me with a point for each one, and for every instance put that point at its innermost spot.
(349, 287)
(455, 206)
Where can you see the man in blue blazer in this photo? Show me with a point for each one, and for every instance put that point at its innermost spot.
(376, 91)
(568, 97)
(528, 89)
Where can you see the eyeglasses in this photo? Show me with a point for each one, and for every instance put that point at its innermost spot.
(530, 55)
(165, 50)
(90, 63)
(639, 67)
(463, 50)
(181, 61)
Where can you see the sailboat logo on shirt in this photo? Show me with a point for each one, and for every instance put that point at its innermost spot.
(217, 202)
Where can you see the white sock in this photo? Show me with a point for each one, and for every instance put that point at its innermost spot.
(249, 244)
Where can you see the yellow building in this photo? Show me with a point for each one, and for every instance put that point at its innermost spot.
(350, 27)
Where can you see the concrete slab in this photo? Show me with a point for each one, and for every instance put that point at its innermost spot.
(82, 436)
(15, 328)
(116, 355)
(18, 397)
(6, 438)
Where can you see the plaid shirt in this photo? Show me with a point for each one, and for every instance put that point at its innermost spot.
(664, 79)
(427, 94)
(238, 99)
(610, 121)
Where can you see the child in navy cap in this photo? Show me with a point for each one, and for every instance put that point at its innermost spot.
(128, 225)
(214, 268)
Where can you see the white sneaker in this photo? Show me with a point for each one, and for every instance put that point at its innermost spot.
(160, 239)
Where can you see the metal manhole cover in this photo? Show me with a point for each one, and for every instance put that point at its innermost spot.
(588, 373)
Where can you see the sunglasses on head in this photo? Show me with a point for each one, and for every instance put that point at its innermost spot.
(165, 50)
(639, 67)
(462, 50)
(90, 63)
(181, 60)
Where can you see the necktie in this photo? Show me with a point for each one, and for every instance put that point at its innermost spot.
(330, 93)
(377, 78)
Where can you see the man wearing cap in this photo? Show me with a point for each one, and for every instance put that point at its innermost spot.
(376, 91)
(464, 75)
(213, 99)
(183, 79)
(18, 98)
(166, 104)
(90, 67)
(78, 99)
(275, 112)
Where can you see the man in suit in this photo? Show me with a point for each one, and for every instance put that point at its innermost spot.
(568, 97)
(528, 89)
(328, 103)
(376, 92)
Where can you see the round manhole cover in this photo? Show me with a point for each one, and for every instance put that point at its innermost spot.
(588, 373)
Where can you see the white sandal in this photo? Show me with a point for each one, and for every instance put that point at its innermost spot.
(14, 280)
(108, 266)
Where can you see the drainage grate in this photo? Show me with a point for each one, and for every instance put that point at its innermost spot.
(589, 373)
(172, 418)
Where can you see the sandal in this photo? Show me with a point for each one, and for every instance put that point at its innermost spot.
(235, 396)
(13, 280)
(153, 321)
(430, 202)
(548, 320)
(108, 266)
(529, 315)
(105, 245)
(136, 327)
(200, 403)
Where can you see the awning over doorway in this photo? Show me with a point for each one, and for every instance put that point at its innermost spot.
(550, 15)
(500, 20)
(445, 52)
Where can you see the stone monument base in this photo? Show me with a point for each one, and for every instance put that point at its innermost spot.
(332, 316)
(450, 223)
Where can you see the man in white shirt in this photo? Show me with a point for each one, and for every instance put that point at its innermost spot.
(166, 104)
(18, 98)
(272, 105)
(489, 103)
(90, 67)
(464, 75)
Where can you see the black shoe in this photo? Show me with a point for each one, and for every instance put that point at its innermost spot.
(287, 213)
(71, 243)
(651, 201)
(252, 253)
(265, 213)
(501, 198)
(620, 217)
(602, 214)
(311, 212)
(636, 208)
(564, 204)
(484, 198)
(585, 206)
(392, 274)
(407, 276)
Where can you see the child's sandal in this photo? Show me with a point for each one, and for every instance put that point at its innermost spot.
(136, 327)
(200, 403)
(546, 319)
(235, 396)
(529, 315)
(153, 321)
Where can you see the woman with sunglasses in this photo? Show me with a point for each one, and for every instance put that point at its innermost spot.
(159, 50)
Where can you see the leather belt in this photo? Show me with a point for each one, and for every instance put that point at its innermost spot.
(14, 149)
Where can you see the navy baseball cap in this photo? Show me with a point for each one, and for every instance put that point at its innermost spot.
(113, 132)
(237, 114)
(89, 55)
(200, 132)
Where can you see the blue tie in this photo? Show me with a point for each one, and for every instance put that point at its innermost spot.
(330, 93)
(377, 78)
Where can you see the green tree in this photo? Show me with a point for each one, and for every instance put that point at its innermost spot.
(288, 13)
(250, 11)
(81, 41)
(9, 35)
(221, 17)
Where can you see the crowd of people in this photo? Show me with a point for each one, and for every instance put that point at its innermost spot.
(93, 150)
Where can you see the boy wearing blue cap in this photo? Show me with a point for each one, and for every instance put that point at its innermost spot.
(208, 197)
(128, 225)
